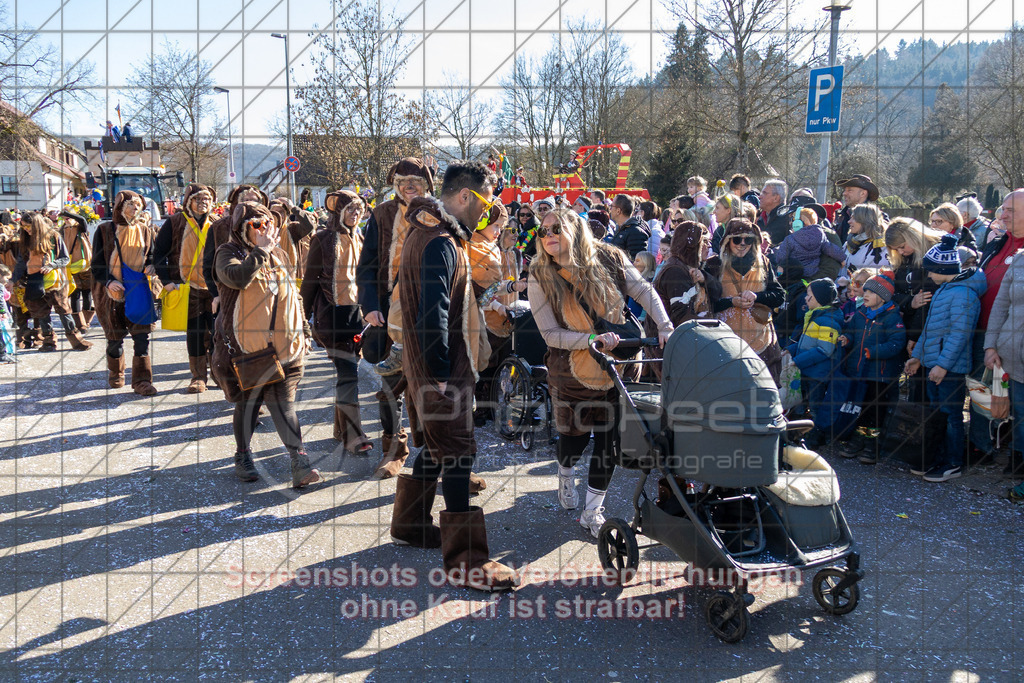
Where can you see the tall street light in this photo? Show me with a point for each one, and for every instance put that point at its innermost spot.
(834, 9)
(288, 106)
(231, 148)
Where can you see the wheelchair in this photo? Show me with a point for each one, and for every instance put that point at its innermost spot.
(519, 392)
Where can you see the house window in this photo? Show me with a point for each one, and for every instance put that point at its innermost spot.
(8, 184)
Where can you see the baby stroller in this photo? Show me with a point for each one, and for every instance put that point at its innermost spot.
(519, 394)
(735, 500)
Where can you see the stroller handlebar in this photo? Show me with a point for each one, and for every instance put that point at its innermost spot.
(799, 426)
(597, 349)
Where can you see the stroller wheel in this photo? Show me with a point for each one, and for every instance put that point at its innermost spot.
(727, 616)
(835, 602)
(526, 439)
(618, 550)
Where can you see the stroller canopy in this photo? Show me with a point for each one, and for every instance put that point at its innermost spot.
(722, 407)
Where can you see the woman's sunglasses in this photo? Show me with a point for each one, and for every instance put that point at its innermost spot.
(543, 232)
(525, 214)
(744, 239)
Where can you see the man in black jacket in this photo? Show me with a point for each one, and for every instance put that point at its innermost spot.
(444, 353)
(856, 190)
(633, 234)
(774, 219)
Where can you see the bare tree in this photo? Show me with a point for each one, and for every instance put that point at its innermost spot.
(757, 77)
(459, 115)
(171, 95)
(996, 114)
(355, 120)
(598, 72)
(533, 113)
(33, 75)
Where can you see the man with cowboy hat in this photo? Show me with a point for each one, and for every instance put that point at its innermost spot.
(177, 256)
(856, 190)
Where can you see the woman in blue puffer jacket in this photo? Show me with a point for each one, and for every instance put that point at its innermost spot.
(944, 351)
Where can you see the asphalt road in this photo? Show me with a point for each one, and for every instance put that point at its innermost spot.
(130, 552)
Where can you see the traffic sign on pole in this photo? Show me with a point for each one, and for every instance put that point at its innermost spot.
(824, 100)
(291, 164)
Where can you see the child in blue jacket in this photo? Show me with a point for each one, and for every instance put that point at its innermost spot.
(944, 351)
(874, 338)
(813, 350)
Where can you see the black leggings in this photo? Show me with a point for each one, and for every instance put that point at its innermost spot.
(456, 478)
(346, 387)
(115, 349)
(602, 462)
(196, 339)
(282, 410)
(389, 401)
(81, 300)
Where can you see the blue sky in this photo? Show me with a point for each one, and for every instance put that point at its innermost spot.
(476, 38)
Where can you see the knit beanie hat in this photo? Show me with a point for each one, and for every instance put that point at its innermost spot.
(943, 258)
(547, 200)
(824, 291)
(883, 285)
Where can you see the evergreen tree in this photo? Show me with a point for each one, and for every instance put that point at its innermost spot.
(671, 162)
(946, 164)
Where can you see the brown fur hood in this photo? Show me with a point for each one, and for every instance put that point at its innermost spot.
(428, 213)
(242, 213)
(117, 212)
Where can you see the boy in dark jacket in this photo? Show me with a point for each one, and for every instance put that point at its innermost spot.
(814, 349)
(875, 337)
(944, 350)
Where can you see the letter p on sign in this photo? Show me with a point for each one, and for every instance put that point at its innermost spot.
(824, 85)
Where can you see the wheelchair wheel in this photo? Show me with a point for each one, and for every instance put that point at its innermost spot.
(512, 396)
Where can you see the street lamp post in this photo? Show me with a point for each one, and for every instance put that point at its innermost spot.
(288, 107)
(231, 149)
(834, 9)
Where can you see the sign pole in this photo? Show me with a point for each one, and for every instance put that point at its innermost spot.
(835, 10)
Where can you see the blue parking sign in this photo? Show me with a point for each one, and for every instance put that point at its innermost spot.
(824, 100)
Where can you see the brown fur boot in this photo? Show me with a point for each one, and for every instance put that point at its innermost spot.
(476, 484)
(348, 429)
(49, 337)
(115, 372)
(411, 521)
(77, 342)
(88, 316)
(142, 376)
(466, 555)
(198, 367)
(80, 323)
(396, 450)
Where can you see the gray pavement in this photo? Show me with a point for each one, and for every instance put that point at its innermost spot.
(129, 553)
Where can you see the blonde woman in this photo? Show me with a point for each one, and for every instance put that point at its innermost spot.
(865, 244)
(574, 280)
(947, 218)
(727, 207)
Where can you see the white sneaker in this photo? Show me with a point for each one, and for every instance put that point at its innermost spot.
(567, 494)
(592, 519)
